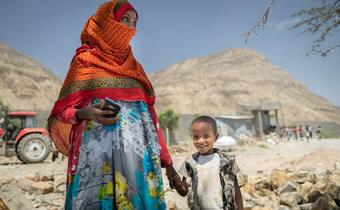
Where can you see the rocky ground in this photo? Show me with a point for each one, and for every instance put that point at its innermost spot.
(286, 175)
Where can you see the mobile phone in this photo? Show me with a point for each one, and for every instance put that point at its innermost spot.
(109, 104)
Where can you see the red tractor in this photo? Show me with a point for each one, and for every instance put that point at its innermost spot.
(20, 136)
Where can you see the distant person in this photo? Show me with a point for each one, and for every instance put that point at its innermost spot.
(212, 174)
(310, 130)
(114, 160)
(296, 132)
(318, 133)
(301, 132)
(307, 134)
(289, 133)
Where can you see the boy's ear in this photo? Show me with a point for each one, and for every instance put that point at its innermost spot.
(217, 135)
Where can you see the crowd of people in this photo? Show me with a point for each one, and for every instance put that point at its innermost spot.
(301, 133)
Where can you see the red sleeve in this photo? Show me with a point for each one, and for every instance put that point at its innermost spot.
(67, 116)
(164, 153)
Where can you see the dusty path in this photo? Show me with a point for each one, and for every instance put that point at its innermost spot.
(255, 158)
(295, 154)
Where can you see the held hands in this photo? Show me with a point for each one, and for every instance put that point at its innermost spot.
(95, 114)
(175, 181)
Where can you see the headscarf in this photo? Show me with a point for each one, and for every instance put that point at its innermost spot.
(103, 66)
(121, 8)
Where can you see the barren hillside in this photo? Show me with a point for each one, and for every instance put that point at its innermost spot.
(214, 84)
(24, 83)
(217, 83)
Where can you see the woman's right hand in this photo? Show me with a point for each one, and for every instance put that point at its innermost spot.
(95, 114)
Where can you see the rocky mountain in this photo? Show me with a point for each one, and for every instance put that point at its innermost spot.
(214, 84)
(221, 82)
(24, 83)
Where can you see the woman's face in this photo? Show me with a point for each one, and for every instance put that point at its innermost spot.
(129, 19)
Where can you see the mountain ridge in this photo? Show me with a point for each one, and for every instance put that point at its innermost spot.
(26, 84)
(224, 80)
(215, 84)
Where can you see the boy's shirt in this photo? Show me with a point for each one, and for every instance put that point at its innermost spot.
(207, 184)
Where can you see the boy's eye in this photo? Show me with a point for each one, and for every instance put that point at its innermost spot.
(195, 137)
(206, 136)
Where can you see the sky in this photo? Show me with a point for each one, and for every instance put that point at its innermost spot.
(172, 31)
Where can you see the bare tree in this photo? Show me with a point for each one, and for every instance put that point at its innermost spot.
(320, 21)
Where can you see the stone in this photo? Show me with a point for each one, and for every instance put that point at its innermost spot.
(59, 180)
(334, 178)
(43, 208)
(14, 198)
(324, 202)
(291, 199)
(277, 178)
(33, 177)
(336, 167)
(287, 187)
(305, 188)
(333, 190)
(314, 196)
(262, 183)
(45, 178)
(40, 188)
(261, 208)
(329, 185)
(25, 184)
(247, 205)
(301, 177)
(60, 189)
(51, 199)
(59, 184)
(321, 173)
(307, 206)
(242, 179)
(3, 205)
(248, 188)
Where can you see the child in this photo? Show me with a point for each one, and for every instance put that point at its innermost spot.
(212, 174)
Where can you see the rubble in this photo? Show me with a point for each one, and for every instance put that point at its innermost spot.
(288, 189)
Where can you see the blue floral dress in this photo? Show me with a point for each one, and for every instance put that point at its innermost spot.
(119, 165)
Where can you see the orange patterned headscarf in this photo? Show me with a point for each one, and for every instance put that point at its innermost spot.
(103, 66)
(107, 51)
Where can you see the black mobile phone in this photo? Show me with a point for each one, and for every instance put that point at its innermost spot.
(109, 104)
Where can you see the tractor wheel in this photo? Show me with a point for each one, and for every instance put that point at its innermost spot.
(33, 148)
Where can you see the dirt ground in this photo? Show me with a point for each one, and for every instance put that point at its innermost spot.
(257, 158)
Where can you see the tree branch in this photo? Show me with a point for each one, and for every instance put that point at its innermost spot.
(260, 23)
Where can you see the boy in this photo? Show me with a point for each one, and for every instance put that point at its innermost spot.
(212, 174)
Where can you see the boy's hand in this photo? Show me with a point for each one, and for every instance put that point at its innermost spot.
(175, 181)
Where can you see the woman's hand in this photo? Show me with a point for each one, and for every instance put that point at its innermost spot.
(95, 114)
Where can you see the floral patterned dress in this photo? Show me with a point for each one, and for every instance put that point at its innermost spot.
(119, 165)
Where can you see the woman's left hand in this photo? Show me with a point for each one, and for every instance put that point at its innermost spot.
(98, 115)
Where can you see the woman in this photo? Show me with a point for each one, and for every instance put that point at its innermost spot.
(114, 163)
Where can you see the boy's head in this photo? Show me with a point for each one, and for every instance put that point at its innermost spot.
(204, 134)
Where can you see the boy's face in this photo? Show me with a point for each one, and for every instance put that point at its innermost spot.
(203, 137)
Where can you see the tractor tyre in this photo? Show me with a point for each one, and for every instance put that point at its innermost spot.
(33, 148)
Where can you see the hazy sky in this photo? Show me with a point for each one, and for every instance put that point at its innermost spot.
(172, 31)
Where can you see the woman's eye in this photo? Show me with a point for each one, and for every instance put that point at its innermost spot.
(134, 23)
(125, 19)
